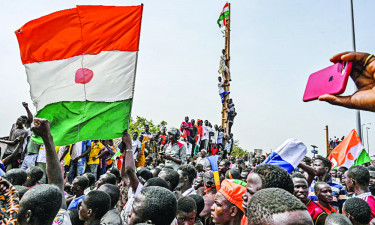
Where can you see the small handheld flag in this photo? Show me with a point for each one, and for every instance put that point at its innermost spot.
(288, 155)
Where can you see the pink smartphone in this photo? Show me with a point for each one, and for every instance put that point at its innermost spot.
(331, 80)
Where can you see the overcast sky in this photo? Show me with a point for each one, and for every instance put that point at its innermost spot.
(275, 45)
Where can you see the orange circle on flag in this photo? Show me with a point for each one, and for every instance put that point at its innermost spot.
(350, 156)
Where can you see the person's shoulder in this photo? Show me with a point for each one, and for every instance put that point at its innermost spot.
(334, 184)
(180, 144)
(62, 218)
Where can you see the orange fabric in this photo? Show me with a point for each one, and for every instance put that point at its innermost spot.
(84, 29)
(233, 192)
(341, 150)
(244, 220)
(162, 137)
(200, 131)
(184, 134)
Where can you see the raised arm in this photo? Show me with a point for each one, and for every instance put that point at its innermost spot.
(55, 176)
(128, 168)
(29, 114)
(311, 172)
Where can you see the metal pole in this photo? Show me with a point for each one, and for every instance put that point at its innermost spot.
(368, 147)
(358, 113)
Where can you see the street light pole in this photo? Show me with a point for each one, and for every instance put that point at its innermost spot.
(368, 147)
(314, 151)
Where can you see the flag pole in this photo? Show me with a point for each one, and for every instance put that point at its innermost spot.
(358, 112)
(224, 114)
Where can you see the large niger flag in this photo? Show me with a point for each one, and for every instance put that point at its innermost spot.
(80, 65)
(349, 152)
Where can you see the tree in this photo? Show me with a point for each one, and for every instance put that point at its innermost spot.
(140, 122)
(237, 150)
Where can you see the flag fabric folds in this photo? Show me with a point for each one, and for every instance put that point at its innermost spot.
(349, 152)
(288, 155)
(81, 65)
(223, 15)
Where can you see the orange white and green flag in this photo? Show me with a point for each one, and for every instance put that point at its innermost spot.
(223, 16)
(80, 64)
(350, 152)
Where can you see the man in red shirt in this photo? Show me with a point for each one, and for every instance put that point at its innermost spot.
(301, 191)
(325, 196)
(357, 180)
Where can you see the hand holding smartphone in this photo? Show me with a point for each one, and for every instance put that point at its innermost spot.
(331, 80)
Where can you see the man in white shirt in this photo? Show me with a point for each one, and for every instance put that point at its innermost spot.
(136, 145)
(222, 92)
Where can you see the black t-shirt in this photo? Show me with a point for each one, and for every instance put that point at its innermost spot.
(194, 132)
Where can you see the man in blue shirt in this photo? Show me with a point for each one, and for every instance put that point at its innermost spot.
(80, 183)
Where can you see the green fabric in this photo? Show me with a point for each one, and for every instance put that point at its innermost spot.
(362, 158)
(196, 149)
(117, 154)
(72, 122)
(222, 17)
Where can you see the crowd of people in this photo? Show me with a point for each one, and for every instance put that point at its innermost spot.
(179, 176)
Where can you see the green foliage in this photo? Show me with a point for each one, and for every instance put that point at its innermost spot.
(237, 150)
(140, 122)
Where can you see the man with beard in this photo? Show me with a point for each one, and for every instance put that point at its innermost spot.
(227, 208)
(301, 191)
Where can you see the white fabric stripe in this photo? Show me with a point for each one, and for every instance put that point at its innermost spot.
(292, 151)
(355, 151)
(54, 81)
